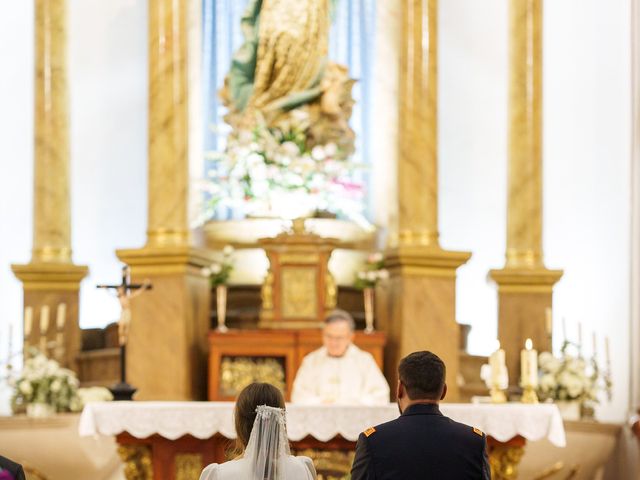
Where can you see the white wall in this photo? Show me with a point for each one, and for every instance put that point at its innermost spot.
(16, 141)
(586, 165)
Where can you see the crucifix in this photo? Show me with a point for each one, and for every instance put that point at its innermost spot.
(125, 291)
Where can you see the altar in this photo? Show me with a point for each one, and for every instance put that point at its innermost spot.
(175, 440)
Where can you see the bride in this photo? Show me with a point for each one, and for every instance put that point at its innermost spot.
(261, 442)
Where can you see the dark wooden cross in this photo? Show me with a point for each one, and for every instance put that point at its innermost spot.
(125, 291)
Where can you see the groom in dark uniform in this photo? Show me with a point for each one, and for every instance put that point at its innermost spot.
(10, 470)
(422, 443)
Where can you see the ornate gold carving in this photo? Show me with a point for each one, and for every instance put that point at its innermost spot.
(330, 464)
(332, 292)
(504, 461)
(238, 372)
(299, 292)
(305, 258)
(137, 462)
(266, 293)
(188, 466)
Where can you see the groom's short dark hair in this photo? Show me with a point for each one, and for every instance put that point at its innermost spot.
(422, 374)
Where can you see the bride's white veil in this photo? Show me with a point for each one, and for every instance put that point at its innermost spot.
(268, 446)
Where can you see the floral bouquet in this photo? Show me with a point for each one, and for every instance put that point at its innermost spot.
(43, 381)
(372, 273)
(283, 170)
(219, 272)
(571, 377)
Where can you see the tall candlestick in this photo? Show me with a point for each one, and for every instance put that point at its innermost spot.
(580, 337)
(595, 345)
(61, 316)
(548, 321)
(44, 319)
(28, 321)
(564, 329)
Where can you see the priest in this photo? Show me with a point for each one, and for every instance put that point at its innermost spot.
(339, 372)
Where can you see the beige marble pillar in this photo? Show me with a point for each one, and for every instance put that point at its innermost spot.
(51, 278)
(421, 301)
(525, 286)
(166, 354)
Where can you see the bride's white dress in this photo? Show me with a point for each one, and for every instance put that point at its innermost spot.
(295, 468)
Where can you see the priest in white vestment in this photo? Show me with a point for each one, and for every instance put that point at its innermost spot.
(339, 372)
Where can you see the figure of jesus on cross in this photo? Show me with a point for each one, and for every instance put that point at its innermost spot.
(126, 291)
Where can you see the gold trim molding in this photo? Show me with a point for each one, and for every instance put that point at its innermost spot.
(50, 276)
(525, 280)
(166, 260)
(424, 261)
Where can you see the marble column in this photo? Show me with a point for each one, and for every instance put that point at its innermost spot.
(525, 285)
(51, 278)
(423, 275)
(166, 354)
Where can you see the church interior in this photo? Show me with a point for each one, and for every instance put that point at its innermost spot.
(193, 190)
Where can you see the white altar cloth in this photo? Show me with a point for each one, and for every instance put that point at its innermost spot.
(202, 420)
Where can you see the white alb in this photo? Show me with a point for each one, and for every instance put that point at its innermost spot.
(352, 379)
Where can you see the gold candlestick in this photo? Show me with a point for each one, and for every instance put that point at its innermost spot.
(529, 395)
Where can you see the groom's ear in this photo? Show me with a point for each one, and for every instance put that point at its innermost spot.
(444, 392)
(400, 391)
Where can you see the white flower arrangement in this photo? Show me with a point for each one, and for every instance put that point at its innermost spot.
(44, 381)
(372, 273)
(570, 377)
(281, 171)
(219, 272)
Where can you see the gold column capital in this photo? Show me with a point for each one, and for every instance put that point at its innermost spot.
(424, 261)
(166, 260)
(50, 276)
(525, 280)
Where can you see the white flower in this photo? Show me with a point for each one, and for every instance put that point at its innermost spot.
(216, 268)
(372, 276)
(330, 149)
(549, 363)
(290, 149)
(547, 382)
(318, 153)
(227, 250)
(362, 275)
(375, 257)
(25, 388)
(56, 386)
(383, 274)
(205, 272)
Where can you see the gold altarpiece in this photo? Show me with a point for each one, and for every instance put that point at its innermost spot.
(298, 290)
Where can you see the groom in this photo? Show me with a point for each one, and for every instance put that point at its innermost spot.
(421, 443)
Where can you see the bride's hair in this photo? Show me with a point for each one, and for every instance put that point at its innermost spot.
(248, 400)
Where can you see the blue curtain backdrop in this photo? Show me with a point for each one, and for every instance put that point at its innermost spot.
(351, 43)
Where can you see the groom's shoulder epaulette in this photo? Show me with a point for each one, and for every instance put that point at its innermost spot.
(369, 431)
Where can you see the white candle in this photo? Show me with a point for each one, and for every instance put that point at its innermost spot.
(497, 364)
(595, 345)
(606, 353)
(580, 337)
(44, 319)
(564, 329)
(61, 315)
(529, 365)
(548, 321)
(10, 340)
(28, 321)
